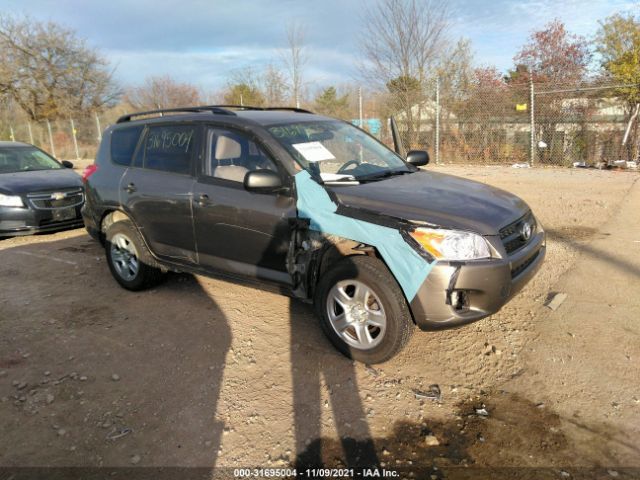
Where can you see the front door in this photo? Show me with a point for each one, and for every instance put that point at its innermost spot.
(157, 189)
(236, 230)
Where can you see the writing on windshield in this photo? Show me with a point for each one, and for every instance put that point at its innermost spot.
(333, 149)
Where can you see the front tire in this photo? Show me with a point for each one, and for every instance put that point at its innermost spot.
(363, 310)
(129, 260)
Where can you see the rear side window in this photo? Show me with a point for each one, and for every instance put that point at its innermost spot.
(123, 144)
(170, 148)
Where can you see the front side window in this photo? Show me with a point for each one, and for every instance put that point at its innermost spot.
(337, 150)
(232, 154)
(170, 148)
(22, 159)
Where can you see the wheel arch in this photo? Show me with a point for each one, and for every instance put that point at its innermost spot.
(338, 248)
(112, 216)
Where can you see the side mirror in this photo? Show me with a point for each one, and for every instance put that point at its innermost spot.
(262, 181)
(67, 164)
(417, 158)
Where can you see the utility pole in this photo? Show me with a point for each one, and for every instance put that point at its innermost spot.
(532, 153)
(437, 120)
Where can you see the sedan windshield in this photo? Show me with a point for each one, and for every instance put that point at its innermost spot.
(337, 151)
(21, 159)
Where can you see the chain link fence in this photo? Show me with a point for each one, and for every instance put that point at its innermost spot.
(523, 124)
(66, 139)
(532, 124)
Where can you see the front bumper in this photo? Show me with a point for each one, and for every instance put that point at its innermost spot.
(16, 221)
(457, 293)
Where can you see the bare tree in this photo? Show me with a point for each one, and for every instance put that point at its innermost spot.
(49, 72)
(456, 70)
(274, 86)
(296, 58)
(402, 42)
(243, 88)
(162, 92)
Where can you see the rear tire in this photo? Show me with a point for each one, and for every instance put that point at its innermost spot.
(363, 310)
(129, 260)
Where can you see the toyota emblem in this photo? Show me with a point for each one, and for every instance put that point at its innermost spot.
(526, 230)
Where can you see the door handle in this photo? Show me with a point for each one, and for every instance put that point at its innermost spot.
(130, 188)
(203, 199)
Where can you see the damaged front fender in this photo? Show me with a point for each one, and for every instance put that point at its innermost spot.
(321, 225)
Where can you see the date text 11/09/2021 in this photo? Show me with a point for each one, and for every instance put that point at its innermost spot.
(314, 473)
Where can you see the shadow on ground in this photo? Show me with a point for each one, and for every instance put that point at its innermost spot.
(577, 237)
(155, 364)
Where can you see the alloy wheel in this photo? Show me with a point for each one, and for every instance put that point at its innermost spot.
(356, 314)
(124, 257)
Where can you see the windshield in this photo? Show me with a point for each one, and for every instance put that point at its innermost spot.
(337, 151)
(21, 159)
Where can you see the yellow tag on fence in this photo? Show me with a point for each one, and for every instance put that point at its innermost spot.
(521, 107)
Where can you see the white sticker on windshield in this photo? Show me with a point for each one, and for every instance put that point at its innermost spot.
(313, 151)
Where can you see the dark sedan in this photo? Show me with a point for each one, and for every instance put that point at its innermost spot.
(37, 193)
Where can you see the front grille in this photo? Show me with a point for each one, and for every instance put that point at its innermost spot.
(44, 201)
(512, 235)
(523, 266)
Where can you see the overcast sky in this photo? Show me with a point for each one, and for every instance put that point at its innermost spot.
(202, 41)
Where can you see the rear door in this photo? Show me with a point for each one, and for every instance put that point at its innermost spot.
(236, 230)
(157, 189)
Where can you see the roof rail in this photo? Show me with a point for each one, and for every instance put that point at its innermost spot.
(206, 108)
(219, 109)
(293, 109)
(251, 107)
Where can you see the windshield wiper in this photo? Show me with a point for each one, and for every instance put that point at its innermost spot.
(382, 175)
(336, 177)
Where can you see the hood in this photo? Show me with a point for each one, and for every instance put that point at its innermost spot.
(436, 198)
(21, 183)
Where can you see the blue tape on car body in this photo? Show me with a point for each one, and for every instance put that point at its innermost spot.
(314, 203)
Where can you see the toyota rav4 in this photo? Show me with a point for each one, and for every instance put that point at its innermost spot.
(314, 206)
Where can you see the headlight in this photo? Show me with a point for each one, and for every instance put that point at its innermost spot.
(10, 201)
(451, 244)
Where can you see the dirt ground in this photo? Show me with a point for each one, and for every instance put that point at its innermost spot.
(203, 372)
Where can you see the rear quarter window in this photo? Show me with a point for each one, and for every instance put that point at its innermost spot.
(123, 144)
(170, 148)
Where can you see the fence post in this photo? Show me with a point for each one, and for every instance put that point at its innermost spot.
(11, 135)
(437, 120)
(30, 133)
(75, 141)
(53, 148)
(99, 128)
(532, 153)
(360, 106)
